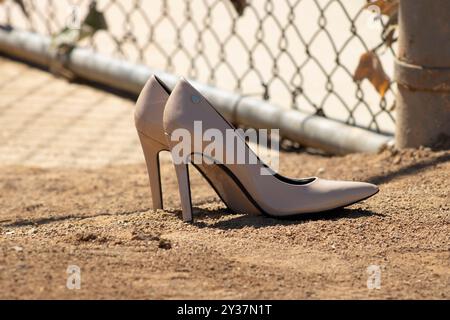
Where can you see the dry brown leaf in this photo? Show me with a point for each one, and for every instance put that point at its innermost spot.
(239, 5)
(387, 7)
(370, 68)
(388, 35)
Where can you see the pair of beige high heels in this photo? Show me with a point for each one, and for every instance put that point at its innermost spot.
(243, 188)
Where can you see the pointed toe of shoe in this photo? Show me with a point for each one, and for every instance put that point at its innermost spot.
(357, 191)
(337, 194)
(371, 188)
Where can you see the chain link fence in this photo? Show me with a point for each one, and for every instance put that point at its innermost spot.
(295, 53)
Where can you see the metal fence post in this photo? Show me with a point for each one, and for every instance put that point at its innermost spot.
(422, 72)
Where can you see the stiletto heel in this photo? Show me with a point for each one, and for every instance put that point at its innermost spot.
(151, 149)
(148, 120)
(184, 188)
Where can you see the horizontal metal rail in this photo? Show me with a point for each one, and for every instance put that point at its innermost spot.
(308, 130)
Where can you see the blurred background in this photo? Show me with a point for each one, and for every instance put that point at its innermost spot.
(299, 54)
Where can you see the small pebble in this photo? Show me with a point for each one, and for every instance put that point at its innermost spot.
(164, 244)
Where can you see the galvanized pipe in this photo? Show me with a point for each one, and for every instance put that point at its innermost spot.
(308, 130)
(422, 72)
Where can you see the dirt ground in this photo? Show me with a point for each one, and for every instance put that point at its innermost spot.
(101, 221)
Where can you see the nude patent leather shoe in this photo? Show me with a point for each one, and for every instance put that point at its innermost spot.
(242, 186)
(149, 125)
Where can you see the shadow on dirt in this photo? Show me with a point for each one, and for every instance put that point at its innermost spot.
(259, 221)
(409, 170)
(42, 221)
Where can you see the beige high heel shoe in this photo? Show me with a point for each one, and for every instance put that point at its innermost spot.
(148, 117)
(149, 125)
(270, 194)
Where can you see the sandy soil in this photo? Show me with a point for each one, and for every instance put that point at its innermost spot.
(100, 220)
